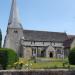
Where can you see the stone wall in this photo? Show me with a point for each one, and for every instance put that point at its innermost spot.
(38, 72)
(43, 43)
(27, 52)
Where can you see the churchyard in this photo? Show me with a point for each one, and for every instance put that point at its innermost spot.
(42, 63)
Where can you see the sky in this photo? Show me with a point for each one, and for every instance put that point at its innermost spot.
(43, 15)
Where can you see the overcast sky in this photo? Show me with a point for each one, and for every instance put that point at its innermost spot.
(44, 15)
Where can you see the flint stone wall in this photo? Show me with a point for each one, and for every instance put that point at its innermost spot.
(38, 72)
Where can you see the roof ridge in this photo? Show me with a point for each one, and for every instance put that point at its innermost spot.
(44, 31)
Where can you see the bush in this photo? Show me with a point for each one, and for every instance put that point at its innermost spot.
(7, 57)
(71, 56)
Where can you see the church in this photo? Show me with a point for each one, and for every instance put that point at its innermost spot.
(29, 43)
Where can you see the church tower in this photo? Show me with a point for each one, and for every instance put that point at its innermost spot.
(14, 29)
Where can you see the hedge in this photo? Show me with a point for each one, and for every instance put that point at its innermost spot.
(71, 56)
(7, 57)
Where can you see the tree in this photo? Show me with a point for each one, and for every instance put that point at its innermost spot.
(7, 57)
(0, 38)
(71, 56)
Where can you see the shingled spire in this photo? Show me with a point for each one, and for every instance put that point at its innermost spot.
(14, 21)
(14, 30)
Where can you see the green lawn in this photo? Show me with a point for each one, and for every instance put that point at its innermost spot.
(53, 64)
(45, 65)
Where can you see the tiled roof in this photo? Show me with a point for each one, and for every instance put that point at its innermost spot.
(44, 36)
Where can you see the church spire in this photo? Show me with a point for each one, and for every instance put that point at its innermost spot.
(14, 21)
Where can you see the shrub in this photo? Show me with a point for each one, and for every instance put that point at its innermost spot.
(7, 57)
(71, 56)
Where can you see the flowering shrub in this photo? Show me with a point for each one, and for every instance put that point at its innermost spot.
(22, 64)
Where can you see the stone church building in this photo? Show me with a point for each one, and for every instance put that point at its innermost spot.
(28, 43)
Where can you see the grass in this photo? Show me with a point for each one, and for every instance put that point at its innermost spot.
(45, 65)
(51, 64)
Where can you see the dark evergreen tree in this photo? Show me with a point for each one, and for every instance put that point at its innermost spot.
(0, 38)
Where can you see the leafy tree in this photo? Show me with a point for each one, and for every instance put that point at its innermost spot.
(0, 38)
(7, 57)
(71, 56)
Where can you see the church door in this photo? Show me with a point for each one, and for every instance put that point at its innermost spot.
(51, 54)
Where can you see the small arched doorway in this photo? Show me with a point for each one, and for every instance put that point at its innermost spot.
(51, 55)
